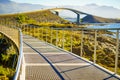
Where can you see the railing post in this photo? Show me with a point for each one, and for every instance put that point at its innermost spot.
(23, 29)
(117, 51)
(63, 39)
(51, 34)
(82, 34)
(38, 32)
(33, 30)
(28, 30)
(56, 37)
(46, 35)
(42, 33)
(71, 40)
(95, 45)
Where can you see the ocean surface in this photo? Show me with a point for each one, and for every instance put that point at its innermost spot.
(109, 26)
(114, 25)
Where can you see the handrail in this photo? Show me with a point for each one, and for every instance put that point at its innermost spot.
(51, 35)
(19, 58)
(86, 28)
(95, 40)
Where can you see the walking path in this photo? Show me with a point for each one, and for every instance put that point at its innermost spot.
(42, 61)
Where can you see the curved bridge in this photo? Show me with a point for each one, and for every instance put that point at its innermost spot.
(73, 10)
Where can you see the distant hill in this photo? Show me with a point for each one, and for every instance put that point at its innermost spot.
(98, 10)
(48, 16)
(7, 7)
(96, 19)
(32, 17)
(5, 1)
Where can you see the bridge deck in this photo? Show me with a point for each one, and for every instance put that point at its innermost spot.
(45, 62)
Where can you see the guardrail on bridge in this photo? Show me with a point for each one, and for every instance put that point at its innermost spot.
(90, 43)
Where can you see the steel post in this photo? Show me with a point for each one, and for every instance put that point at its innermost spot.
(51, 34)
(46, 35)
(117, 51)
(63, 35)
(95, 45)
(56, 37)
(82, 34)
(71, 40)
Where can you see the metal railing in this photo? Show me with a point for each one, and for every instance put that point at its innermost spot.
(17, 74)
(15, 35)
(90, 43)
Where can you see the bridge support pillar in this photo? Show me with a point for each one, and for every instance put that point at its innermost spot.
(78, 18)
(57, 13)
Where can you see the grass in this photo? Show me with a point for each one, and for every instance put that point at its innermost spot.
(8, 53)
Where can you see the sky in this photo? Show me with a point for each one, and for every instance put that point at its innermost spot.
(113, 3)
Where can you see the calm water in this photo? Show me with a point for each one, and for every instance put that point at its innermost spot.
(116, 25)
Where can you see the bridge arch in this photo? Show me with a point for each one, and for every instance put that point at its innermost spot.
(73, 10)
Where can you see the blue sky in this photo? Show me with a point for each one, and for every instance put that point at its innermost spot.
(114, 3)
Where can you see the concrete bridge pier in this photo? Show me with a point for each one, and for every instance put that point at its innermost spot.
(57, 13)
(78, 18)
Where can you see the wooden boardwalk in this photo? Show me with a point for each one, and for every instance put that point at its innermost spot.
(42, 61)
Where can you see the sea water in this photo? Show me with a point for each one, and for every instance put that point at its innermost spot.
(115, 26)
